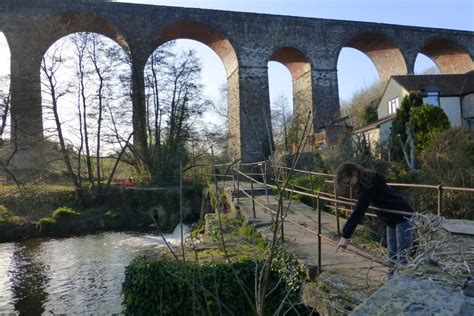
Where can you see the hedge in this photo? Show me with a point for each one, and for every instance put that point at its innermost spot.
(169, 287)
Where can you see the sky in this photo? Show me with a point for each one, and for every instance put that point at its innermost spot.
(355, 70)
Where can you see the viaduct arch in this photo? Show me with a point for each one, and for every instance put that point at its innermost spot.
(245, 42)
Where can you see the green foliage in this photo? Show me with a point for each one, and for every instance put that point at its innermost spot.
(370, 233)
(45, 223)
(370, 114)
(287, 267)
(317, 183)
(413, 100)
(355, 150)
(166, 287)
(249, 232)
(449, 160)
(6, 217)
(427, 121)
(4, 214)
(213, 231)
(37, 201)
(63, 213)
(197, 229)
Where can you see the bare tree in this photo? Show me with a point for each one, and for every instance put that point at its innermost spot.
(281, 121)
(173, 97)
(50, 65)
(5, 99)
(361, 99)
(81, 41)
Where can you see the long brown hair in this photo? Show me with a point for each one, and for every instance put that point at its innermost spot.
(347, 169)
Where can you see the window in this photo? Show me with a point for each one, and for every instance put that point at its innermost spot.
(393, 105)
(432, 97)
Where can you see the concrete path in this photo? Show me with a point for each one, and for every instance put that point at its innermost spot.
(356, 276)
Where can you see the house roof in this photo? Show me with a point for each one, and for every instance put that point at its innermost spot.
(447, 85)
(374, 124)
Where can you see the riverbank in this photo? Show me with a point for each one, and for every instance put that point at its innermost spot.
(219, 272)
(51, 211)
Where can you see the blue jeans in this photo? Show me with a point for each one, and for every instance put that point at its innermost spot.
(399, 239)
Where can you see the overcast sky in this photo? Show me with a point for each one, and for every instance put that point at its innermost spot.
(355, 71)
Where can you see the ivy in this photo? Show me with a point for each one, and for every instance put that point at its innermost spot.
(170, 287)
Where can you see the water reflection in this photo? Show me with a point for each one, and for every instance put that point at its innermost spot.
(80, 275)
(29, 278)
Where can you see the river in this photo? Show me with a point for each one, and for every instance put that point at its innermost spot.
(77, 275)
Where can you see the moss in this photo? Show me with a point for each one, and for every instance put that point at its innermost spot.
(45, 223)
(63, 213)
(6, 217)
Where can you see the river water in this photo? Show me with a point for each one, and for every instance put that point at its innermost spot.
(77, 275)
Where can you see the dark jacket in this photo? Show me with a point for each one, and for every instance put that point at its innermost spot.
(379, 195)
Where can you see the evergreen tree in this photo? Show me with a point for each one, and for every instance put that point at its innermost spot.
(413, 100)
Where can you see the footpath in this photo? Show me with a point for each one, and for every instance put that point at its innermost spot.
(351, 282)
(346, 279)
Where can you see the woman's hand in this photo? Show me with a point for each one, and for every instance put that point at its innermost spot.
(342, 244)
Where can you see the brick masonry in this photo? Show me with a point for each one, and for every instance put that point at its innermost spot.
(244, 41)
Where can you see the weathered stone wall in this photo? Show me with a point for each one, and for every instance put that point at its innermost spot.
(406, 295)
(244, 41)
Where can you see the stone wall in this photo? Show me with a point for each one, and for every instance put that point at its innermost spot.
(244, 41)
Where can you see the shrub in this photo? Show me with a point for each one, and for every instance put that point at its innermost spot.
(6, 217)
(249, 232)
(45, 222)
(197, 229)
(64, 213)
(448, 160)
(4, 213)
(213, 231)
(168, 287)
(428, 120)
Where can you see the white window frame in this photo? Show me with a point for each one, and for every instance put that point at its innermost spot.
(393, 105)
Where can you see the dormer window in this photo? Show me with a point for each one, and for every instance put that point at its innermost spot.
(393, 105)
(432, 97)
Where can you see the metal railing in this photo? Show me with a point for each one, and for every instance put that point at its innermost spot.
(441, 188)
(317, 197)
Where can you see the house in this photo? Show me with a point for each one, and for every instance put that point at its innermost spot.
(453, 93)
(375, 133)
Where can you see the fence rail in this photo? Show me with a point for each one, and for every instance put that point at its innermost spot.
(439, 187)
(346, 202)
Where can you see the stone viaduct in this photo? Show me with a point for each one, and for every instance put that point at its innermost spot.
(245, 42)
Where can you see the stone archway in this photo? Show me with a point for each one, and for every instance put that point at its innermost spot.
(386, 57)
(216, 41)
(450, 57)
(300, 70)
(26, 105)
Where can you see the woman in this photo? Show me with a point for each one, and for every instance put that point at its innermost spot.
(373, 189)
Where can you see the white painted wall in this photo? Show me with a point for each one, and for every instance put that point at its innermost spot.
(452, 107)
